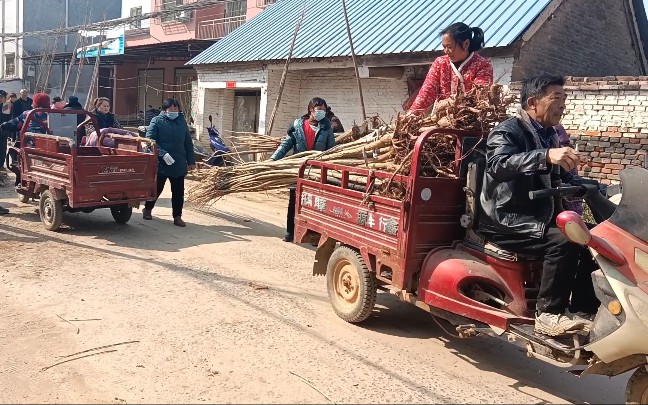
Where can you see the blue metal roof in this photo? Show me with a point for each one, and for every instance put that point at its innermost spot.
(379, 27)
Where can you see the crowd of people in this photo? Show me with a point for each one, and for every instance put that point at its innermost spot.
(527, 152)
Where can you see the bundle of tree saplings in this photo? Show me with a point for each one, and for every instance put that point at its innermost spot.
(388, 148)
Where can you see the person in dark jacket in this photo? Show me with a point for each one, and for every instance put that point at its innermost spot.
(37, 124)
(73, 104)
(175, 156)
(105, 118)
(335, 121)
(523, 155)
(22, 104)
(312, 131)
(5, 116)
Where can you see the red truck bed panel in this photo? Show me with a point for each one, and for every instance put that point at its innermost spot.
(392, 233)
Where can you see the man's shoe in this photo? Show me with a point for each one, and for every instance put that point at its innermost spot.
(3, 211)
(557, 325)
(146, 214)
(177, 221)
(288, 238)
(584, 317)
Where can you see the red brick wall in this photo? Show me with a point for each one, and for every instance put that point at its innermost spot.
(607, 118)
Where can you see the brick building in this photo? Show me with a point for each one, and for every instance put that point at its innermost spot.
(607, 119)
(396, 41)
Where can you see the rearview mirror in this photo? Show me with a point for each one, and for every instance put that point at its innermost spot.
(573, 227)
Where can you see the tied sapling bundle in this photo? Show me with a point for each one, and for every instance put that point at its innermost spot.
(389, 148)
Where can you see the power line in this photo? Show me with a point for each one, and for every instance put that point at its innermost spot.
(118, 22)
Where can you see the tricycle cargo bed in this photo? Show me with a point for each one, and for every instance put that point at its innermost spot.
(394, 236)
(88, 176)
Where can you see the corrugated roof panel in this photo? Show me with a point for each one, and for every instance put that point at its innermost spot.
(379, 27)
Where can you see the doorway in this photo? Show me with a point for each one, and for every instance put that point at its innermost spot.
(246, 110)
(150, 88)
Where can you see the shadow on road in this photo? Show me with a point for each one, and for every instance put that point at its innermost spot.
(160, 233)
(392, 317)
(489, 354)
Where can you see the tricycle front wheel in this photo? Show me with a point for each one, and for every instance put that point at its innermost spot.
(51, 211)
(121, 213)
(352, 287)
(637, 388)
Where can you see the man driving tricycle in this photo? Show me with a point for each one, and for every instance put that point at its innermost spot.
(522, 156)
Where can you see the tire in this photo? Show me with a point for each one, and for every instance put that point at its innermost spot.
(23, 198)
(352, 288)
(51, 211)
(637, 388)
(121, 213)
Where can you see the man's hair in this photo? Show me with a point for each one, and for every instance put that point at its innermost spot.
(170, 102)
(537, 87)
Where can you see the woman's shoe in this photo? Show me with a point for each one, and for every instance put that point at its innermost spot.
(146, 214)
(177, 221)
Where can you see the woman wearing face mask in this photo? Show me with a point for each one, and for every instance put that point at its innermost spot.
(460, 67)
(312, 131)
(175, 156)
(105, 118)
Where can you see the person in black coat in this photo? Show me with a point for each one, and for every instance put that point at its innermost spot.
(105, 118)
(73, 104)
(24, 103)
(523, 155)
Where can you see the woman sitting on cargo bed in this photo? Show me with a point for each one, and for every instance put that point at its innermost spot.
(460, 67)
(312, 131)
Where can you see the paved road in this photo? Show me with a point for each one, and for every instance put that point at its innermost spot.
(197, 323)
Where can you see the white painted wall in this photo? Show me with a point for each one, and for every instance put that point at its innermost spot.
(502, 70)
(213, 98)
(383, 97)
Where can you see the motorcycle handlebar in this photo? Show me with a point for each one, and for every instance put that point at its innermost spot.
(562, 191)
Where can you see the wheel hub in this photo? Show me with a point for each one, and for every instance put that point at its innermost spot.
(346, 283)
(48, 210)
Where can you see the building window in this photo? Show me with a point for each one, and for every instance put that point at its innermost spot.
(170, 5)
(135, 12)
(235, 8)
(10, 65)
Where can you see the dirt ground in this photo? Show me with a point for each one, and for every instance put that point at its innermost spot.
(165, 315)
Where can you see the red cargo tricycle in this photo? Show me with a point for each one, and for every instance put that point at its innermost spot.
(426, 249)
(64, 176)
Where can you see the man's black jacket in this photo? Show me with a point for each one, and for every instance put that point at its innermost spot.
(516, 163)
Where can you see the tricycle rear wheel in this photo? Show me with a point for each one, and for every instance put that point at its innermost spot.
(637, 388)
(121, 213)
(352, 287)
(51, 211)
